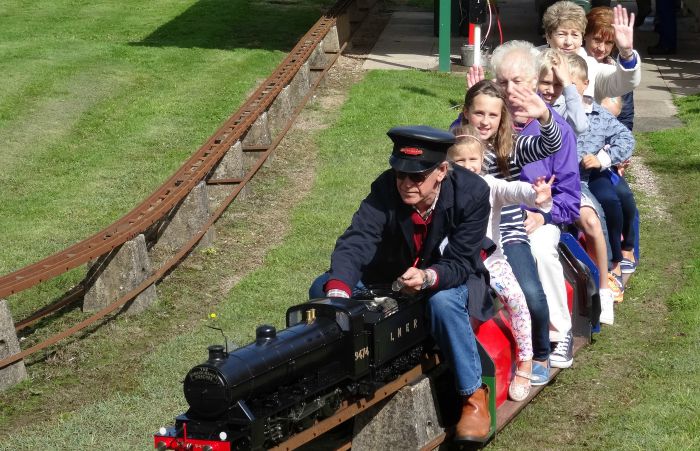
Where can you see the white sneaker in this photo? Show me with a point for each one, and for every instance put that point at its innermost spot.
(607, 302)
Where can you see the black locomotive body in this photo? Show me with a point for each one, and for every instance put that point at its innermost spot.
(332, 350)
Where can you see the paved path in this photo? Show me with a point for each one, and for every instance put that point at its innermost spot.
(408, 42)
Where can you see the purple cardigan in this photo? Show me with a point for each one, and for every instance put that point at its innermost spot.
(566, 190)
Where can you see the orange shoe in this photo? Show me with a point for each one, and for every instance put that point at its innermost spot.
(617, 287)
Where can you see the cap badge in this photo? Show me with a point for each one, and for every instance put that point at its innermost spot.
(412, 151)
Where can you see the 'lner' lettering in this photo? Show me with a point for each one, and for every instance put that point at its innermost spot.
(407, 328)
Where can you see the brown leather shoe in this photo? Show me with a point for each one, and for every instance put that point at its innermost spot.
(475, 423)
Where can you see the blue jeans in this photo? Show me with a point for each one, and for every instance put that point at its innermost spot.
(449, 325)
(629, 213)
(521, 260)
(626, 116)
(601, 217)
(602, 188)
(667, 27)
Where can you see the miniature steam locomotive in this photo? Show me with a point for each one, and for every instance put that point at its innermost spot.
(336, 350)
(332, 349)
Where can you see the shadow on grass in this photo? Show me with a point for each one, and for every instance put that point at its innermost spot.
(455, 104)
(419, 91)
(230, 24)
(675, 167)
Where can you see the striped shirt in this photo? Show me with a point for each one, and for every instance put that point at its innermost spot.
(526, 150)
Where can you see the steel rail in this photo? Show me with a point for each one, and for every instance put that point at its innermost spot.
(173, 261)
(245, 119)
(176, 188)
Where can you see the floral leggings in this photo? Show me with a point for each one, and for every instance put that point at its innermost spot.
(505, 284)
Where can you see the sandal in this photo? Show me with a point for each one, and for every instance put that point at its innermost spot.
(518, 392)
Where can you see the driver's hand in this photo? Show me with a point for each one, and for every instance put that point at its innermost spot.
(412, 280)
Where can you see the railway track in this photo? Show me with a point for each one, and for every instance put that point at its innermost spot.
(199, 167)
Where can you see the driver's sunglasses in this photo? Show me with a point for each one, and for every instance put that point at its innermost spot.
(415, 177)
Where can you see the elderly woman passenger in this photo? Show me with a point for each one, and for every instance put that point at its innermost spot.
(514, 64)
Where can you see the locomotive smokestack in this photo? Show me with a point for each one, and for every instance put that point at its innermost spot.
(216, 352)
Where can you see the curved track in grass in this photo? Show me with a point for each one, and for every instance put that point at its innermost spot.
(199, 167)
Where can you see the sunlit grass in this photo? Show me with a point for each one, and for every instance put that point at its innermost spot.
(101, 101)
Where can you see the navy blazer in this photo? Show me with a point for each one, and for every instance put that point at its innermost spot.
(378, 246)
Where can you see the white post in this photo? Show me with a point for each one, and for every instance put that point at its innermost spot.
(477, 45)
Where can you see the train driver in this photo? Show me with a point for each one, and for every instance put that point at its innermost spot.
(396, 235)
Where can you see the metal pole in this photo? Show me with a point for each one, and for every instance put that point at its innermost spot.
(444, 35)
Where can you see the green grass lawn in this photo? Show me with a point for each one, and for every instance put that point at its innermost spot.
(634, 388)
(101, 101)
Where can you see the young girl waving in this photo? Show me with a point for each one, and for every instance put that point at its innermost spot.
(468, 152)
